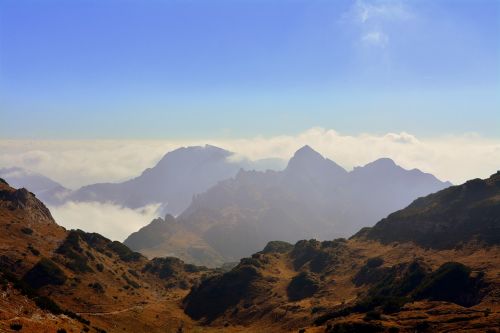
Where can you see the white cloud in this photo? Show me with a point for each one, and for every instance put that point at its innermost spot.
(76, 163)
(365, 11)
(372, 18)
(107, 219)
(376, 38)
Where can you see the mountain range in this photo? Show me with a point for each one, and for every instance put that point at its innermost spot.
(313, 197)
(392, 277)
(219, 210)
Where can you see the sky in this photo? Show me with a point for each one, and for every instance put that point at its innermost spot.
(220, 69)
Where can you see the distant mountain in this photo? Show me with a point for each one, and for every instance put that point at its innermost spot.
(312, 197)
(453, 216)
(172, 181)
(46, 189)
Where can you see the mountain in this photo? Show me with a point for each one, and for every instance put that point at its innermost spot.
(54, 280)
(174, 180)
(312, 197)
(402, 275)
(46, 189)
(456, 215)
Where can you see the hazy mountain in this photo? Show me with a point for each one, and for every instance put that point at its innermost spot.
(46, 189)
(311, 197)
(172, 181)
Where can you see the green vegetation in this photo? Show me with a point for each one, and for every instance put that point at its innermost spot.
(97, 287)
(219, 293)
(277, 247)
(359, 327)
(34, 251)
(45, 272)
(16, 326)
(124, 252)
(371, 272)
(374, 262)
(302, 285)
(452, 282)
(27, 231)
(372, 315)
(130, 282)
(43, 302)
(71, 250)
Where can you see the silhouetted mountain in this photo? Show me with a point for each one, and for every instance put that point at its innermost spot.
(312, 197)
(172, 181)
(46, 189)
(447, 218)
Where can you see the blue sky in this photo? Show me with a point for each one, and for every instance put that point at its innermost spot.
(196, 69)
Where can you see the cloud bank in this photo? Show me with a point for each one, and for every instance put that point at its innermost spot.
(77, 163)
(107, 219)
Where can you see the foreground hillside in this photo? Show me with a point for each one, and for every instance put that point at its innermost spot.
(312, 197)
(56, 279)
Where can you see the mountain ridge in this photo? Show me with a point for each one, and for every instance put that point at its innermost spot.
(312, 197)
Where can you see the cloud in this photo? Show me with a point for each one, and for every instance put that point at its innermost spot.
(373, 17)
(366, 11)
(76, 163)
(376, 38)
(109, 220)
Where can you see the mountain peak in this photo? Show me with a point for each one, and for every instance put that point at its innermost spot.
(305, 155)
(382, 162)
(307, 151)
(310, 161)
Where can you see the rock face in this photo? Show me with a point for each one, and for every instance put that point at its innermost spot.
(312, 197)
(447, 218)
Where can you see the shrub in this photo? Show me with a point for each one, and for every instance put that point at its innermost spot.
(72, 250)
(374, 262)
(43, 273)
(302, 285)
(451, 282)
(277, 247)
(34, 251)
(27, 231)
(372, 315)
(124, 252)
(16, 326)
(98, 288)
